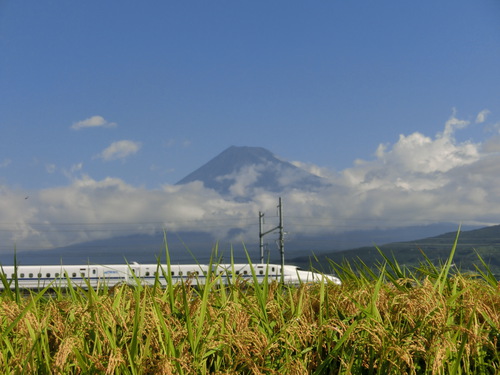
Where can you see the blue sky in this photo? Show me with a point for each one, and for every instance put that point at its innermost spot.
(144, 93)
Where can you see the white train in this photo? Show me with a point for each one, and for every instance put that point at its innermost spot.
(37, 277)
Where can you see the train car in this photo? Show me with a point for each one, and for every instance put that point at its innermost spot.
(38, 277)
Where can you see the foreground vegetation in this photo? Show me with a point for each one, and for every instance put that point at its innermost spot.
(394, 321)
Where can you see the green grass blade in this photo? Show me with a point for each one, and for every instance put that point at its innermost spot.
(442, 279)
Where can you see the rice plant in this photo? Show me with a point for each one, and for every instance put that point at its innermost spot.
(385, 321)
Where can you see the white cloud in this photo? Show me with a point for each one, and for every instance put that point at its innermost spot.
(76, 167)
(313, 169)
(74, 171)
(481, 116)
(452, 124)
(492, 145)
(50, 168)
(241, 180)
(119, 150)
(93, 122)
(418, 153)
(109, 205)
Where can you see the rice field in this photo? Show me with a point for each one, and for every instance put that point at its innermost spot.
(429, 320)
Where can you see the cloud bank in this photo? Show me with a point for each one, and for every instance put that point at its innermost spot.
(418, 180)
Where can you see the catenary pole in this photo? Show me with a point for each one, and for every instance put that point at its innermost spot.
(261, 237)
(281, 241)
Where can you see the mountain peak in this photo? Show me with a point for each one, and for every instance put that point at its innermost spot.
(240, 168)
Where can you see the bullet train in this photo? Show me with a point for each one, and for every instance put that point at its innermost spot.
(38, 277)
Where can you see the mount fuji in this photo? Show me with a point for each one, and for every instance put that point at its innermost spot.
(237, 171)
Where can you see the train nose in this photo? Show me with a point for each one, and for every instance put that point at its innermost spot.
(333, 279)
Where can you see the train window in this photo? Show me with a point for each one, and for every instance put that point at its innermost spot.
(245, 272)
(94, 272)
(48, 274)
(180, 273)
(173, 273)
(30, 275)
(272, 269)
(39, 275)
(22, 274)
(261, 272)
(12, 276)
(73, 274)
(82, 274)
(57, 274)
(147, 273)
(237, 272)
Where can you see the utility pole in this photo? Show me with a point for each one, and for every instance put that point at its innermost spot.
(261, 237)
(281, 240)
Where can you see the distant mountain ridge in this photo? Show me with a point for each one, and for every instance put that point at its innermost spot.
(483, 241)
(185, 247)
(252, 167)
